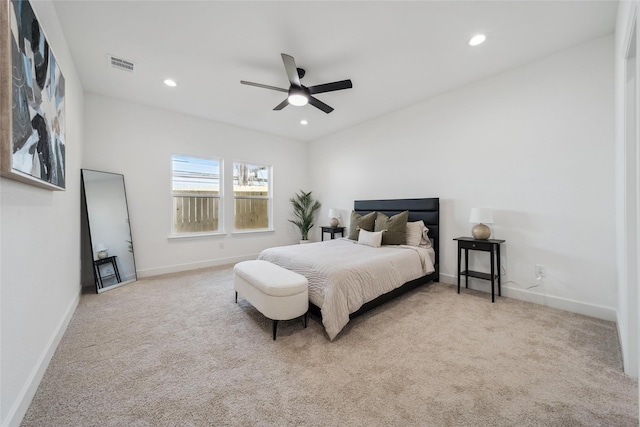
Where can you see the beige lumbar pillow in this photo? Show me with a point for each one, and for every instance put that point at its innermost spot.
(370, 238)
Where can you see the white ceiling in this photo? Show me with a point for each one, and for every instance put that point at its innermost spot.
(396, 53)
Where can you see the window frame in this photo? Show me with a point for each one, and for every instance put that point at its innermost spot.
(269, 198)
(220, 196)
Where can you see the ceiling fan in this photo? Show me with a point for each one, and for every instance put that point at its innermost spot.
(300, 95)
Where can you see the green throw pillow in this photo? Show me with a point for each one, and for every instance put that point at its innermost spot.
(365, 222)
(395, 228)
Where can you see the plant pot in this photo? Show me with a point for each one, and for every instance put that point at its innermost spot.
(304, 241)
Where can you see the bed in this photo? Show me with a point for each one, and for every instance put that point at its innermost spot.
(347, 279)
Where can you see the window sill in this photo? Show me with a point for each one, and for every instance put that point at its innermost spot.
(256, 231)
(195, 235)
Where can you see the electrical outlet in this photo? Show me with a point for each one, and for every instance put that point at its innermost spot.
(541, 271)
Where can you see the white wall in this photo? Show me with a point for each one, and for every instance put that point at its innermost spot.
(535, 143)
(39, 253)
(627, 186)
(138, 141)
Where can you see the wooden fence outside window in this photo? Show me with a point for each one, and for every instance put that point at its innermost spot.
(195, 214)
(251, 213)
(199, 214)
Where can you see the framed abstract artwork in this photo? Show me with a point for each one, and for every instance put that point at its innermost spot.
(32, 101)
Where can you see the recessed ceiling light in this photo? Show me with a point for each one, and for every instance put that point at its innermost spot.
(304, 122)
(170, 83)
(477, 39)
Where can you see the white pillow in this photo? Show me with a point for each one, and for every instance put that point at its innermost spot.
(414, 232)
(370, 238)
(425, 241)
(418, 234)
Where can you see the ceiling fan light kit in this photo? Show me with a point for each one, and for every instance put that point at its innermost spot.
(300, 95)
(297, 97)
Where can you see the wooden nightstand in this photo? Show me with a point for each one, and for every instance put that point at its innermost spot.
(490, 245)
(332, 230)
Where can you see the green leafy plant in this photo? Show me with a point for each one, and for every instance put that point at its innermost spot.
(304, 208)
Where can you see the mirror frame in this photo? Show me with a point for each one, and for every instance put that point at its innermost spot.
(87, 227)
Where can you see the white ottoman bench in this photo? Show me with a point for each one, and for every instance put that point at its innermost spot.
(277, 293)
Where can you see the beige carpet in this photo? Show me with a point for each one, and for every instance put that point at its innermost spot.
(177, 351)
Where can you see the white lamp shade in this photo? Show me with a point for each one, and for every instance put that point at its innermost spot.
(481, 216)
(100, 247)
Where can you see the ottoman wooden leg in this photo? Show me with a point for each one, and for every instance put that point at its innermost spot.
(275, 328)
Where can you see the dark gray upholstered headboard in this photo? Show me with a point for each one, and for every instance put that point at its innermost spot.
(427, 210)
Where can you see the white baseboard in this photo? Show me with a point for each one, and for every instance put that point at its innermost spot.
(176, 268)
(19, 409)
(573, 306)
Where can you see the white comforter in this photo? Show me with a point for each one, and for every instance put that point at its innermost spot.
(344, 275)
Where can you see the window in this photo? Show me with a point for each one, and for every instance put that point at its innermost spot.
(252, 196)
(196, 194)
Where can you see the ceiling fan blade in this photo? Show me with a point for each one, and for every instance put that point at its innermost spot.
(279, 89)
(292, 70)
(319, 104)
(282, 104)
(329, 87)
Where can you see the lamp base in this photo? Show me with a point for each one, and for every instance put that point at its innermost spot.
(102, 254)
(481, 232)
(334, 222)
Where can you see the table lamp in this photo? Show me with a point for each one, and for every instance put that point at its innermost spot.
(101, 250)
(334, 214)
(480, 217)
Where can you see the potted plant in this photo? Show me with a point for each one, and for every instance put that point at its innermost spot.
(304, 207)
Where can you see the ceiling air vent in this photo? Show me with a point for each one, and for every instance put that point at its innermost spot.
(121, 64)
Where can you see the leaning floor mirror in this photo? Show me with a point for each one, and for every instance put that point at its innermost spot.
(107, 243)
